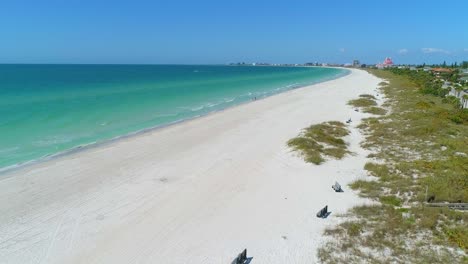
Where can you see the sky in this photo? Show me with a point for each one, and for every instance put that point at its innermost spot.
(219, 32)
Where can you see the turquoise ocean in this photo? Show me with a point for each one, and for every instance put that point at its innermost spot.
(51, 109)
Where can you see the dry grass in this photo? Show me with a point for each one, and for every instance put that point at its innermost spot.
(362, 102)
(367, 103)
(375, 110)
(322, 140)
(383, 234)
(418, 146)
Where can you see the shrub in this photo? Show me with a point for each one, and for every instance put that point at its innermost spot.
(321, 140)
(375, 110)
(362, 102)
(390, 200)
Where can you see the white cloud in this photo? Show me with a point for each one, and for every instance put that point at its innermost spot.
(403, 51)
(342, 50)
(434, 50)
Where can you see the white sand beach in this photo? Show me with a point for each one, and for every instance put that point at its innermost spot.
(197, 192)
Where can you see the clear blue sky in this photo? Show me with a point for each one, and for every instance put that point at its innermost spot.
(201, 31)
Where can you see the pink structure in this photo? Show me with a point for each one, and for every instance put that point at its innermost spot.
(387, 63)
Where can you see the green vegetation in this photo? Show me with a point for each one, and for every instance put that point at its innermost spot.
(368, 104)
(383, 234)
(375, 110)
(390, 200)
(321, 140)
(363, 102)
(425, 80)
(419, 147)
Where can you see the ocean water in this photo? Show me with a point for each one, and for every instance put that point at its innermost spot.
(50, 109)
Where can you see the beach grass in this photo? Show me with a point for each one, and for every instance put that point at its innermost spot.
(363, 102)
(368, 104)
(375, 110)
(319, 141)
(419, 151)
(385, 234)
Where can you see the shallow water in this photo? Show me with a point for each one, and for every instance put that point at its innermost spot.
(49, 109)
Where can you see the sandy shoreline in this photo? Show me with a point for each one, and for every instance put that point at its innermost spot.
(196, 192)
(9, 169)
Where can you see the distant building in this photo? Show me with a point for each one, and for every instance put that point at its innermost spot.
(386, 63)
(356, 63)
(446, 85)
(464, 75)
(440, 70)
(462, 95)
